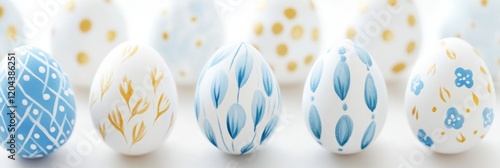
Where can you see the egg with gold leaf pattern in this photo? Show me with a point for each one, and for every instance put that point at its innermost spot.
(11, 26)
(391, 31)
(83, 33)
(133, 99)
(287, 33)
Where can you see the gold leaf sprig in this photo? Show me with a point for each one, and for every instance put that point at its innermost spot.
(129, 51)
(159, 110)
(126, 90)
(139, 108)
(102, 130)
(105, 84)
(137, 135)
(155, 78)
(115, 118)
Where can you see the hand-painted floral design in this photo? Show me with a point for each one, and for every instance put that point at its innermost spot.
(417, 85)
(464, 78)
(488, 116)
(422, 137)
(453, 119)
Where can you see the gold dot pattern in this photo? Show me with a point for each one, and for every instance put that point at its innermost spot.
(484, 2)
(82, 58)
(258, 28)
(111, 36)
(11, 33)
(292, 66)
(351, 33)
(410, 48)
(442, 133)
(297, 32)
(194, 19)
(309, 59)
(1, 12)
(473, 25)
(85, 25)
(392, 2)
(277, 28)
(282, 50)
(199, 43)
(165, 36)
(311, 3)
(399, 67)
(387, 35)
(411, 20)
(70, 6)
(290, 13)
(315, 34)
(434, 109)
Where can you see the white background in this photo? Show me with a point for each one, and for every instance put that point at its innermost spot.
(292, 145)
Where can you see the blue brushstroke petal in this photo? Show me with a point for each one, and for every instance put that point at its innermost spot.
(244, 66)
(343, 130)
(370, 93)
(267, 80)
(247, 148)
(220, 55)
(219, 88)
(209, 132)
(363, 55)
(258, 107)
(236, 118)
(341, 79)
(196, 106)
(315, 122)
(368, 136)
(316, 75)
(269, 129)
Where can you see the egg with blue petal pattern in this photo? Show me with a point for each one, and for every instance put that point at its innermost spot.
(237, 100)
(45, 103)
(450, 97)
(11, 26)
(186, 35)
(345, 99)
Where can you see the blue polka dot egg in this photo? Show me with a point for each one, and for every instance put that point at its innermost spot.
(37, 102)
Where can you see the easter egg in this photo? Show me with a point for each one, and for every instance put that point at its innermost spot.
(11, 26)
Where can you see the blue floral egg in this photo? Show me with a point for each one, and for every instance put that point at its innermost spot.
(450, 97)
(237, 100)
(345, 99)
(45, 112)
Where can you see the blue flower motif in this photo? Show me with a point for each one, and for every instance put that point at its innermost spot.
(453, 119)
(417, 85)
(464, 77)
(422, 137)
(488, 116)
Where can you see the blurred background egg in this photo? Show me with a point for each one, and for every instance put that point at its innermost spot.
(478, 23)
(287, 33)
(391, 31)
(84, 32)
(45, 104)
(345, 99)
(450, 97)
(237, 100)
(133, 99)
(11, 27)
(186, 35)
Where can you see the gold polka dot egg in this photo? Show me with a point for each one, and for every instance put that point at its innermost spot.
(38, 104)
(287, 33)
(450, 98)
(477, 22)
(83, 33)
(391, 31)
(133, 99)
(11, 26)
(186, 35)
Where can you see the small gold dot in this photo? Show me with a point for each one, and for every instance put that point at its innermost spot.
(258, 28)
(477, 53)
(297, 32)
(194, 19)
(467, 110)
(277, 28)
(108, 1)
(85, 25)
(458, 35)
(82, 58)
(473, 25)
(292, 66)
(484, 2)
(410, 48)
(70, 5)
(165, 36)
(11, 33)
(311, 4)
(351, 33)
(387, 35)
(434, 109)
(482, 137)
(411, 20)
(199, 43)
(475, 132)
(1, 11)
(182, 73)
(315, 34)
(309, 59)
(442, 133)
(111, 36)
(398, 67)
(282, 50)
(290, 13)
(392, 2)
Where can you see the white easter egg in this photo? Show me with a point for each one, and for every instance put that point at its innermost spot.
(450, 97)
(83, 33)
(287, 33)
(133, 99)
(237, 100)
(186, 36)
(11, 27)
(345, 99)
(391, 32)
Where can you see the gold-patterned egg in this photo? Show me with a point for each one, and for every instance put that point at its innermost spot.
(133, 99)
(83, 33)
(287, 34)
(11, 27)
